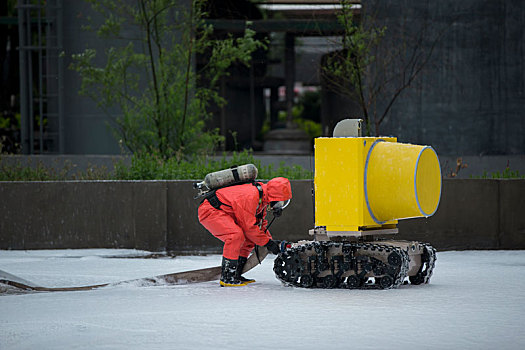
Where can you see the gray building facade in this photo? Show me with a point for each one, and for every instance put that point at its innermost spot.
(470, 98)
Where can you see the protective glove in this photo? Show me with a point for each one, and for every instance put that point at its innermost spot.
(273, 247)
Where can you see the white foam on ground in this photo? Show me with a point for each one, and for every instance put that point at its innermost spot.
(475, 301)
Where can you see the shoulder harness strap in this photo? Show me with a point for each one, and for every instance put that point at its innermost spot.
(259, 188)
(214, 200)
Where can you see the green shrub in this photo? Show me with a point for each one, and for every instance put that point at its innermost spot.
(148, 167)
(505, 174)
(162, 95)
(58, 172)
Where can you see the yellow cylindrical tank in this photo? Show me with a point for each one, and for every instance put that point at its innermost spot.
(401, 181)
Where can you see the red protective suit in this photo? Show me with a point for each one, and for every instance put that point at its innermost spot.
(236, 223)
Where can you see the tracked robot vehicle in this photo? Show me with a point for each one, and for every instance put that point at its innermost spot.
(362, 187)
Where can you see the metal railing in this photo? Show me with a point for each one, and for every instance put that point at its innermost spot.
(41, 76)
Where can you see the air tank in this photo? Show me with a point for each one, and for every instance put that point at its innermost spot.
(227, 177)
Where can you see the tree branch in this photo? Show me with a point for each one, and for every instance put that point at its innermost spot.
(187, 78)
(154, 76)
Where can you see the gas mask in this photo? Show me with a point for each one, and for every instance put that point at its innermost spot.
(277, 207)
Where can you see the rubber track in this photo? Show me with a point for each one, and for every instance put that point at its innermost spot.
(321, 264)
(428, 262)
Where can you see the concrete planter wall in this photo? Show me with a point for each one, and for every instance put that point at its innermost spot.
(162, 215)
(474, 214)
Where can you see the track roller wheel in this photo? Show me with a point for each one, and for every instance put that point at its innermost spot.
(386, 282)
(394, 259)
(353, 282)
(417, 279)
(329, 282)
(307, 281)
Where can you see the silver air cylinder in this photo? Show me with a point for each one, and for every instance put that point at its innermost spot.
(226, 177)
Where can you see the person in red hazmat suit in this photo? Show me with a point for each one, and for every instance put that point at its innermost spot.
(236, 216)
